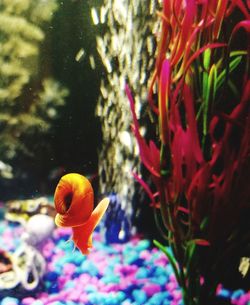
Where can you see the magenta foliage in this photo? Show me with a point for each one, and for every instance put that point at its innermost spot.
(200, 162)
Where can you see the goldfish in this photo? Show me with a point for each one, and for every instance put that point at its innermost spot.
(74, 204)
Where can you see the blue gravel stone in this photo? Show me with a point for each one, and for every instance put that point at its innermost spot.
(142, 273)
(112, 278)
(224, 293)
(237, 294)
(47, 284)
(90, 288)
(69, 303)
(160, 271)
(78, 258)
(166, 302)
(161, 280)
(111, 299)
(70, 284)
(9, 301)
(169, 269)
(121, 296)
(51, 276)
(139, 296)
(109, 270)
(158, 298)
(64, 245)
(128, 290)
(130, 257)
(38, 302)
(63, 260)
(88, 267)
(53, 288)
(96, 298)
(143, 245)
(139, 262)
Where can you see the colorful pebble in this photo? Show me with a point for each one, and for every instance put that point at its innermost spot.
(120, 274)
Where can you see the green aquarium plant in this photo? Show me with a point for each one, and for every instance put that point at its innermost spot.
(199, 157)
(29, 96)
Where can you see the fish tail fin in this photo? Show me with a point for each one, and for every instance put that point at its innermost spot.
(97, 214)
(82, 235)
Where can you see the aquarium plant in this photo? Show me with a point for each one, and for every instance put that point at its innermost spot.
(29, 96)
(198, 158)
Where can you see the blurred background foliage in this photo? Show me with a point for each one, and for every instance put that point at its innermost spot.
(45, 114)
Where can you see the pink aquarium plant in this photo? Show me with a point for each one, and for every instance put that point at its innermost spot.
(199, 158)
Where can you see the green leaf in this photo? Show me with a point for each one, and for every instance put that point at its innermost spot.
(212, 79)
(171, 259)
(232, 66)
(206, 59)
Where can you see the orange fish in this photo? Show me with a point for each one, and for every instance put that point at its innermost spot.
(74, 203)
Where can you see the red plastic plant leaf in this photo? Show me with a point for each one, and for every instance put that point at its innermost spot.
(219, 17)
(192, 124)
(163, 100)
(148, 159)
(201, 50)
(242, 24)
(201, 242)
(177, 159)
(245, 10)
(186, 28)
(198, 193)
(146, 188)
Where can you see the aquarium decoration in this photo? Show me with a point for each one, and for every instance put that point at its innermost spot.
(199, 157)
(22, 271)
(21, 210)
(115, 227)
(126, 44)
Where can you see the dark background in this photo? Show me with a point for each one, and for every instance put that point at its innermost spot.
(75, 136)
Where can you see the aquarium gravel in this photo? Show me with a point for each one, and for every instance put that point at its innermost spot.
(132, 273)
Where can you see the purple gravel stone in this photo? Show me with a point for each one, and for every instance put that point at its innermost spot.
(151, 289)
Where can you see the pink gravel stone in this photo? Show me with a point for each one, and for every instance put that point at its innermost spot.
(84, 278)
(161, 261)
(75, 295)
(69, 269)
(243, 300)
(111, 287)
(28, 301)
(145, 254)
(172, 277)
(171, 286)
(125, 269)
(151, 289)
(59, 232)
(62, 280)
(177, 295)
(83, 299)
(218, 288)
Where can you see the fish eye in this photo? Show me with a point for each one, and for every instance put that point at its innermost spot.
(67, 200)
